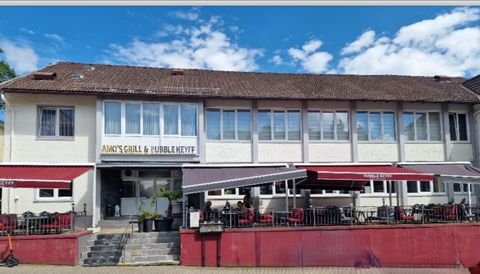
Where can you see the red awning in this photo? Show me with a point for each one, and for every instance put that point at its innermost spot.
(367, 173)
(355, 177)
(40, 176)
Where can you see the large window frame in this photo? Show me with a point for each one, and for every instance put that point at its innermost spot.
(457, 127)
(335, 127)
(55, 195)
(373, 189)
(236, 127)
(430, 192)
(285, 111)
(161, 121)
(382, 126)
(238, 196)
(427, 113)
(57, 110)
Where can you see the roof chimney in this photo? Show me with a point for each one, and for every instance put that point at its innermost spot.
(177, 71)
(39, 75)
(444, 79)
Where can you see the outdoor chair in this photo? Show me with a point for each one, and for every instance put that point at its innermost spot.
(60, 222)
(8, 222)
(296, 217)
(249, 220)
(402, 216)
(265, 218)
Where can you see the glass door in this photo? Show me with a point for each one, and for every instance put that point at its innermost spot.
(146, 191)
(162, 203)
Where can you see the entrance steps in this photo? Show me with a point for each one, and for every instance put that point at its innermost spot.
(153, 248)
(103, 250)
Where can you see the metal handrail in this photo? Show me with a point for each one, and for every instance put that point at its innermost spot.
(121, 244)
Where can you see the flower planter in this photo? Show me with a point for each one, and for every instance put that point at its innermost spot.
(148, 225)
(164, 224)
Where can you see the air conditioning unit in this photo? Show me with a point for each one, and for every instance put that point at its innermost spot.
(129, 174)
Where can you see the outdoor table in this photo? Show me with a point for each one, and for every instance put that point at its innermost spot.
(360, 217)
(230, 219)
(281, 217)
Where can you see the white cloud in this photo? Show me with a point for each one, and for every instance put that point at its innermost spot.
(187, 15)
(363, 41)
(205, 46)
(29, 31)
(20, 56)
(310, 58)
(446, 45)
(55, 37)
(277, 60)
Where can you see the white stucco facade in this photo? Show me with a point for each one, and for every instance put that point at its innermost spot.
(22, 144)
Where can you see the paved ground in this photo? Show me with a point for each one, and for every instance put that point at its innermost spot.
(38, 269)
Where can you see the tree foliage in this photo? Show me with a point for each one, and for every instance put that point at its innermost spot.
(6, 72)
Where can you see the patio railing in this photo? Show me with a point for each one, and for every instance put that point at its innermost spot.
(31, 224)
(328, 216)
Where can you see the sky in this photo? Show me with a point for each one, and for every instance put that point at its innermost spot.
(341, 40)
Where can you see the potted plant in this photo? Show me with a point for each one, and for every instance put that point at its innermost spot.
(165, 223)
(146, 217)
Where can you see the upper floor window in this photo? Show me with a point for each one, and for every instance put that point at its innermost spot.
(56, 121)
(422, 126)
(458, 126)
(279, 125)
(144, 118)
(376, 126)
(328, 125)
(228, 124)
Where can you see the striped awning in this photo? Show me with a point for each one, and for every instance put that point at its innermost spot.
(40, 176)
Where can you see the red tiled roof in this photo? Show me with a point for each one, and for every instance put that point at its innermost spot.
(159, 82)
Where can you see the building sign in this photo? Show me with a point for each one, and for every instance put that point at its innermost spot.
(138, 149)
(149, 145)
(7, 183)
(377, 176)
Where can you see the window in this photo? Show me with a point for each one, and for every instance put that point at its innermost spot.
(274, 188)
(279, 124)
(463, 188)
(225, 124)
(51, 194)
(113, 118)
(419, 126)
(328, 125)
(213, 124)
(132, 118)
(151, 119)
(378, 186)
(458, 126)
(170, 119)
(376, 126)
(425, 186)
(188, 120)
(56, 122)
(412, 186)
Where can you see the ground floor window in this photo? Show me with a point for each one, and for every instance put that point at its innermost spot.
(378, 187)
(462, 188)
(270, 189)
(48, 194)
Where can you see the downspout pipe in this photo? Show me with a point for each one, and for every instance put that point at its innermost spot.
(9, 107)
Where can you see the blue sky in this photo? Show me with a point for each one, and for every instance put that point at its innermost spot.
(354, 40)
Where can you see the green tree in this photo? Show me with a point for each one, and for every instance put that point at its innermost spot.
(6, 72)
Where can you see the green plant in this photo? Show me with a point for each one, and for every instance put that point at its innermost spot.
(171, 196)
(147, 214)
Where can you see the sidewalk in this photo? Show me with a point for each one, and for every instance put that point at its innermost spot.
(38, 269)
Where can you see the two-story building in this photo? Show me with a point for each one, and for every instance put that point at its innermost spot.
(147, 128)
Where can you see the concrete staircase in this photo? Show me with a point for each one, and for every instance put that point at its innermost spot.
(154, 248)
(103, 250)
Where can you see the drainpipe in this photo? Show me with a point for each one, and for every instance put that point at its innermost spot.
(9, 107)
